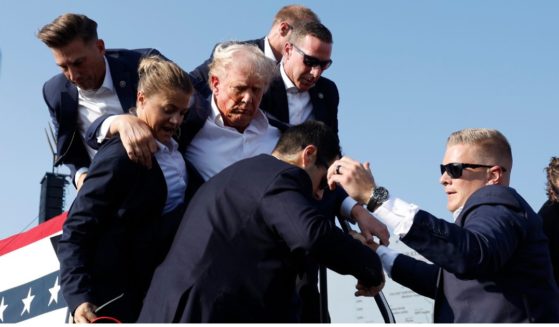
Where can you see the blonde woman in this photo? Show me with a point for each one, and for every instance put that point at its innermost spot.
(124, 217)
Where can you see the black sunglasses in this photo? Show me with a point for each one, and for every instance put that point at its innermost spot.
(311, 61)
(454, 169)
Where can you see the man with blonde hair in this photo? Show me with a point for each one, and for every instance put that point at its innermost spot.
(492, 264)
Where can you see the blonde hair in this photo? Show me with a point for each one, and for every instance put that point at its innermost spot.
(157, 74)
(228, 54)
(492, 146)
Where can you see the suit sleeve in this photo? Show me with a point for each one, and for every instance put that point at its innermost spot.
(108, 180)
(490, 236)
(72, 152)
(296, 219)
(417, 275)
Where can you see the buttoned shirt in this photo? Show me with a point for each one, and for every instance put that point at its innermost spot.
(174, 169)
(298, 102)
(217, 146)
(92, 104)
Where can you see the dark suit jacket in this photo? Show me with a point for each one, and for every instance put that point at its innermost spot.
(324, 97)
(494, 262)
(241, 243)
(550, 215)
(115, 234)
(200, 73)
(61, 97)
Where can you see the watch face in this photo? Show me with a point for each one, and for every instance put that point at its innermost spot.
(381, 194)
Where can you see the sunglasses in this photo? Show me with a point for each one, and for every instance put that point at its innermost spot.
(454, 169)
(311, 61)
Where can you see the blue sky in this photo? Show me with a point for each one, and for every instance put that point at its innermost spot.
(409, 73)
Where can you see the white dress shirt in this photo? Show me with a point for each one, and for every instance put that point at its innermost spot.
(299, 103)
(92, 104)
(217, 146)
(174, 169)
(268, 50)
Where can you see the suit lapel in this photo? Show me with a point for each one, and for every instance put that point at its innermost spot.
(280, 100)
(124, 83)
(317, 100)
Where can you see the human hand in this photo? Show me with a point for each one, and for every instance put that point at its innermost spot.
(137, 138)
(85, 313)
(356, 178)
(370, 226)
(363, 290)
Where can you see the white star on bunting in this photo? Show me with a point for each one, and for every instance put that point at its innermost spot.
(27, 302)
(2, 308)
(54, 292)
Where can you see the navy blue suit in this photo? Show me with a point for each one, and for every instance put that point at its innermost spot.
(324, 98)
(241, 243)
(492, 265)
(200, 74)
(115, 234)
(550, 215)
(61, 97)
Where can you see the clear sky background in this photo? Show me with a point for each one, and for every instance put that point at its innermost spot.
(409, 73)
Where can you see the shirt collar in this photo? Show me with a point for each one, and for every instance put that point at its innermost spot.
(457, 213)
(259, 122)
(268, 52)
(289, 86)
(162, 147)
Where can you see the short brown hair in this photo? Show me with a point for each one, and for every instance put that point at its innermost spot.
(66, 28)
(552, 174)
(294, 14)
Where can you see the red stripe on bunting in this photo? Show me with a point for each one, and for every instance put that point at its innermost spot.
(41, 231)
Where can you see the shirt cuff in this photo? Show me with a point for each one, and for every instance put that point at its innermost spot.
(387, 257)
(397, 215)
(104, 129)
(347, 204)
(79, 172)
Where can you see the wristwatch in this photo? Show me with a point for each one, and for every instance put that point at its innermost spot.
(378, 196)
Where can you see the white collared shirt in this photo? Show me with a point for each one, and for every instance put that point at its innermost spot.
(92, 104)
(217, 146)
(268, 52)
(299, 103)
(174, 169)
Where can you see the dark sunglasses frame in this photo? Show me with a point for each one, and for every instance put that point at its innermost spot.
(455, 169)
(311, 61)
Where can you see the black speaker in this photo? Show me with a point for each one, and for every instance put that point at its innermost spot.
(52, 196)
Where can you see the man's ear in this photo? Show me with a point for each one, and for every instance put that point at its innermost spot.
(495, 176)
(284, 28)
(214, 82)
(100, 45)
(308, 155)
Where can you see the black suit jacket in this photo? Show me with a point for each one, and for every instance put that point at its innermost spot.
(550, 215)
(492, 265)
(241, 244)
(200, 73)
(115, 234)
(324, 97)
(61, 97)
